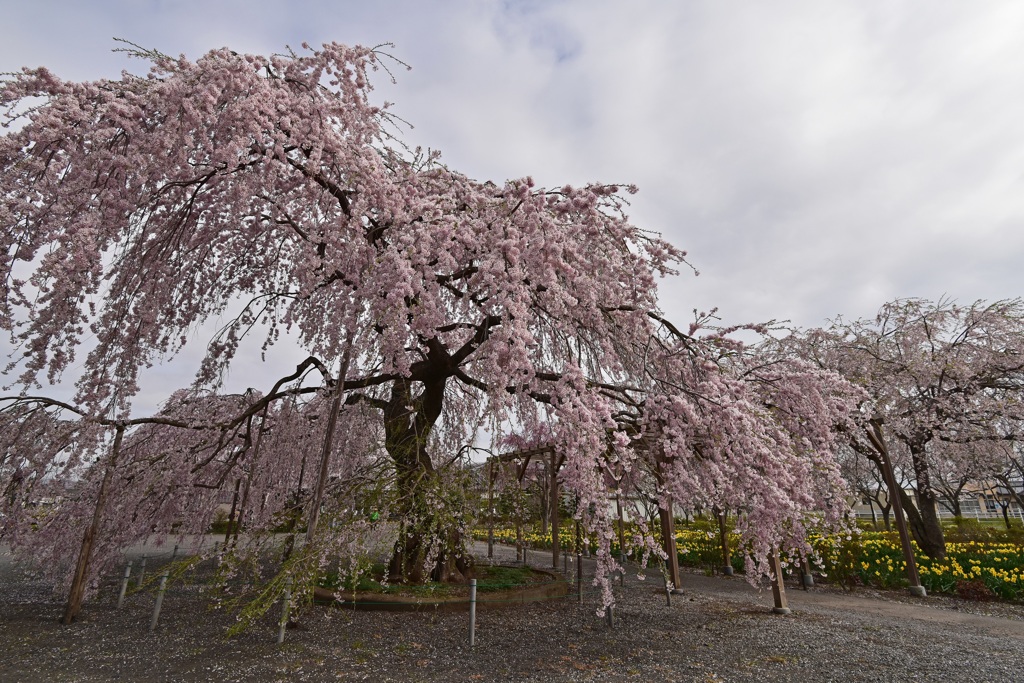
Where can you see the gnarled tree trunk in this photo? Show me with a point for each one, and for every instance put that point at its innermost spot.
(408, 421)
(927, 529)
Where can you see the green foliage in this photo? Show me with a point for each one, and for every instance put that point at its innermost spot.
(839, 557)
(489, 579)
(497, 578)
(366, 581)
(876, 559)
(219, 525)
(964, 530)
(699, 543)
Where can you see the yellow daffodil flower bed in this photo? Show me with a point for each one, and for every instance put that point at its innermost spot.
(876, 559)
(868, 558)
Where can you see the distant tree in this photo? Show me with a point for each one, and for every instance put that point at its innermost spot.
(1010, 478)
(942, 376)
(962, 466)
(867, 483)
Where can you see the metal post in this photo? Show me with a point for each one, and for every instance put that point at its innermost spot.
(622, 538)
(285, 606)
(579, 577)
(778, 589)
(520, 541)
(668, 539)
(124, 585)
(472, 612)
(142, 572)
(159, 601)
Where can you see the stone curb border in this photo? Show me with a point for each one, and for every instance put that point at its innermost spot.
(555, 587)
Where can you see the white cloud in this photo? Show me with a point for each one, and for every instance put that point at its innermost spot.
(815, 158)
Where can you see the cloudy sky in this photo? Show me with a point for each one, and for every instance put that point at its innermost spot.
(815, 158)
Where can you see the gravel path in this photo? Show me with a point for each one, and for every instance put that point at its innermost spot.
(721, 629)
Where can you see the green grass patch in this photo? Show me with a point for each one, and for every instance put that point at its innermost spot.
(498, 578)
(489, 579)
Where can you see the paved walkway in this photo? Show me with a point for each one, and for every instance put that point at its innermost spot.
(943, 611)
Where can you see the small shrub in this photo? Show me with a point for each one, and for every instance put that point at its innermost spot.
(966, 530)
(219, 525)
(975, 590)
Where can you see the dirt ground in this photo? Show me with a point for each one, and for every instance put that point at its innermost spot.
(720, 629)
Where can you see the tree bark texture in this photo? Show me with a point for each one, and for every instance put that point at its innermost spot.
(668, 539)
(928, 530)
(408, 421)
(77, 592)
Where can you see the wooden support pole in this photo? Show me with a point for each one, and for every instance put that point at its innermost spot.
(234, 510)
(668, 525)
(622, 522)
(578, 537)
(668, 540)
(579, 577)
(242, 509)
(490, 508)
(778, 588)
(554, 511)
(723, 532)
(808, 577)
(622, 539)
